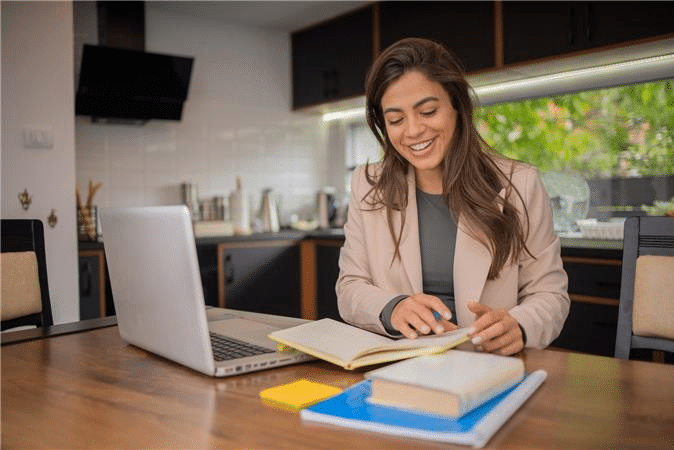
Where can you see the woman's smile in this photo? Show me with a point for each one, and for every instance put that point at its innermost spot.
(422, 145)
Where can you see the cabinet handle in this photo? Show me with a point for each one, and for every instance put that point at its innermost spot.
(229, 269)
(572, 23)
(326, 83)
(335, 83)
(330, 83)
(85, 279)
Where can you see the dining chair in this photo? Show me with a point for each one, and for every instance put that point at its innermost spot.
(24, 286)
(646, 311)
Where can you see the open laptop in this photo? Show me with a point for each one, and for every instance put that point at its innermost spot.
(159, 301)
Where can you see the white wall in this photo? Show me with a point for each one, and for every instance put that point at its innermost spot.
(236, 121)
(37, 91)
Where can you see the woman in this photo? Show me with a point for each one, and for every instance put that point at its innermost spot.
(443, 231)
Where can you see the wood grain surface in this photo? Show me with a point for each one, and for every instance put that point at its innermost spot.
(92, 390)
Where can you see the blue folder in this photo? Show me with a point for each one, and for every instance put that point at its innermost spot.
(351, 409)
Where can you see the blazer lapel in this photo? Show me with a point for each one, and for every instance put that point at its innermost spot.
(472, 261)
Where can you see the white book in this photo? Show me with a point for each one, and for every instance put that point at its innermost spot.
(449, 384)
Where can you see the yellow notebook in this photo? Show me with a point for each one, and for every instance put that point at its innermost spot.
(298, 394)
(352, 347)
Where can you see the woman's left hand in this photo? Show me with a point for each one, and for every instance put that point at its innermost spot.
(495, 330)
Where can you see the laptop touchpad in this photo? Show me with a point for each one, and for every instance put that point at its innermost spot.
(244, 330)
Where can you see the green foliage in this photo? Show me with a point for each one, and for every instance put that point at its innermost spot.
(614, 132)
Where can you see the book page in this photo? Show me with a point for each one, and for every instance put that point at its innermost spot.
(346, 342)
(333, 338)
(436, 341)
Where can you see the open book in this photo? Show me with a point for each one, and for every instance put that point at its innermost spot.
(352, 347)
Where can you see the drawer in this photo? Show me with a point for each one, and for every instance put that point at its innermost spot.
(589, 328)
(594, 279)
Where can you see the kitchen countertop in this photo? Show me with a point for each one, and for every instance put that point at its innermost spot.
(598, 247)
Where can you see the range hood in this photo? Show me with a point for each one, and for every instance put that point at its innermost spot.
(132, 85)
(120, 82)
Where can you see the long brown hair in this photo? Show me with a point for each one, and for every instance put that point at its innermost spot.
(471, 177)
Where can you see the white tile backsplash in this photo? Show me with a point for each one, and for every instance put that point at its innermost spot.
(236, 122)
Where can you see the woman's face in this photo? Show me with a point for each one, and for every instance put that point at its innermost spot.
(420, 122)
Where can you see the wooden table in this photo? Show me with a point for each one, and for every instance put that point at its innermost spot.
(91, 390)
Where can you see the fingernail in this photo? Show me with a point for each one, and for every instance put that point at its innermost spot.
(439, 329)
(425, 329)
(448, 315)
(476, 340)
(413, 335)
(471, 330)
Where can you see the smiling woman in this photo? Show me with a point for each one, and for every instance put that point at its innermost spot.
(444, 232)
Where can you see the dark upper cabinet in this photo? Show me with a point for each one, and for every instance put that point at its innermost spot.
(538, 29)
(613, 22)
(330, 60)
(466, 28)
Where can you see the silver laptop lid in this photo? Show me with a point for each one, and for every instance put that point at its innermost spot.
(156, 285)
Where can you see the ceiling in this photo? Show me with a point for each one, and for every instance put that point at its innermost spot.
(280, 15)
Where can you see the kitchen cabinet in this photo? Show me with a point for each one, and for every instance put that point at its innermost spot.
(539, 29)
(330, 60)
(207, 256)
(594, 289)
(95, 292)
(467, 28)
(320, 269)
(327, 269)
(294, 274)
(260, 276)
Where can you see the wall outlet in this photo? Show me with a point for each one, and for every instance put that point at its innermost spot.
(38, 137)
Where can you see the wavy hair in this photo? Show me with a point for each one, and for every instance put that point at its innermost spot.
(471, 177)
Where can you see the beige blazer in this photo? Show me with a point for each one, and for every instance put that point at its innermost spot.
(533, 290)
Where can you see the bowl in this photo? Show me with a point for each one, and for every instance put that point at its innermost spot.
(594, 229)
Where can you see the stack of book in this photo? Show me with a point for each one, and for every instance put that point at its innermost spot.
(435, 393)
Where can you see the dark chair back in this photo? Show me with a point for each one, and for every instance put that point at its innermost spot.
(647, 236)
(27, 235)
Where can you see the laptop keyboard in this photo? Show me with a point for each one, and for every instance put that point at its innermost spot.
(226, 348)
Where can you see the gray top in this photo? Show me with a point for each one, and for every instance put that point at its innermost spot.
(437, 238)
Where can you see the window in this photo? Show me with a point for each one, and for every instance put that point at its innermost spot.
(620, 140)
(361, 147)
(614, 145)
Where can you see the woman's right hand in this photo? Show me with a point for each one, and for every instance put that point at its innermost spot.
(415, 315)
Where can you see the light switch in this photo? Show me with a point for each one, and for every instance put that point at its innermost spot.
(38, 137)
